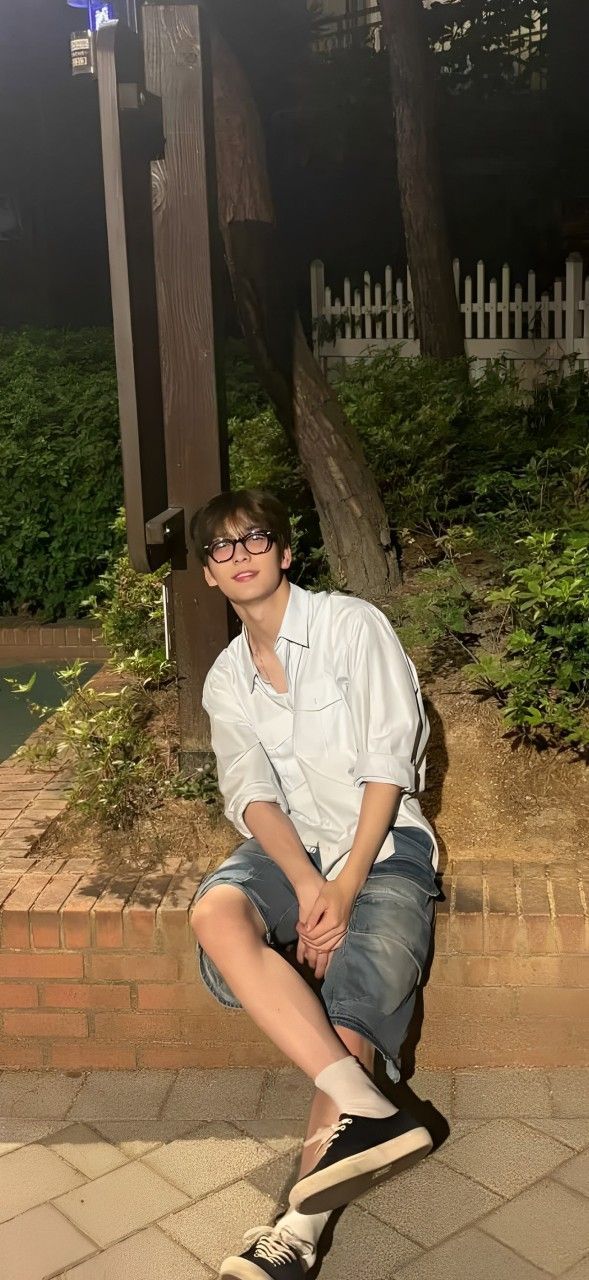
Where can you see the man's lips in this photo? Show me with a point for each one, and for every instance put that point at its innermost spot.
(247, 573)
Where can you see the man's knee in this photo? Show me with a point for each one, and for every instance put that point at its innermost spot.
(223, 905)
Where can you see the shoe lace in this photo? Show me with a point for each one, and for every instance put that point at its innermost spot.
(276, 1244)
(328, 1134)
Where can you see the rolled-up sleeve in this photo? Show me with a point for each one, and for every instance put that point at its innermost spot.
(390, 723)
(244, 770)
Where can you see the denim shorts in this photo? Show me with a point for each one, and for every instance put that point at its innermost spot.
(372, 980)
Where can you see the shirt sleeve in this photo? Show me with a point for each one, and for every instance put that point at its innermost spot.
(390, 723)
(244, 770)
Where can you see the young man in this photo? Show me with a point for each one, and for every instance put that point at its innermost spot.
(319, 731)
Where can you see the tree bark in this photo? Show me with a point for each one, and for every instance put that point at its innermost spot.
(353, 522)
(413, 72)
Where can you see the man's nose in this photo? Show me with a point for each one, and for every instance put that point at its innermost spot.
(240, 553)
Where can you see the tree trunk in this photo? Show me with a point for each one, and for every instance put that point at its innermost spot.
(353, 522)
(413, 72)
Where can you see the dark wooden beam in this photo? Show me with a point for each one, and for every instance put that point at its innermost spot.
(177, 70)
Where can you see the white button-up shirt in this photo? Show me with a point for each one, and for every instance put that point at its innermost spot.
(353, 714)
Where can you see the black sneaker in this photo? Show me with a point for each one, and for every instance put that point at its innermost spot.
(358, 1153)
(273, 1252)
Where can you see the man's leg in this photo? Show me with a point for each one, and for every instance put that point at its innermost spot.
(231, 931)
(325, 1112)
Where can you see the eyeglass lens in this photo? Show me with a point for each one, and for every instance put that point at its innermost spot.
(256, 543)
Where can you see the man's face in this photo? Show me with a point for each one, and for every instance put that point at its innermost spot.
(248, 576)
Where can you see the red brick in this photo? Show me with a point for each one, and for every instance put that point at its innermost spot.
(504, 933)
(38, 1023)
(172, 918)
(465, 933)
(174, 1057)
(564, 882)
(86, 1055)
(76, 919)
(137, 1026)
(471, 1002)
(20, 964)
(553, 1002)
(510, 970)
(139, 915)
(181, 996)
(534, 891)
(468, 893)
(108, 912)
(18, 995)
(501, 894)
(44, 914)
(572, 934)
(13, 1053)
(14, 917)
(222, 1025)
(188, 970)
(8, 880)
(130, 968)
(85, 995)
(541, 937)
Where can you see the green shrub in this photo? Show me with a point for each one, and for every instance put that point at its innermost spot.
(118, 773)
(60, 467)
(129, 606)
(542, 675)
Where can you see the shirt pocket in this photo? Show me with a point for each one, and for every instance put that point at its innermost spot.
(321, 720)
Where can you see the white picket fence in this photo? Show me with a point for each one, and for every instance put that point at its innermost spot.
(501, 320)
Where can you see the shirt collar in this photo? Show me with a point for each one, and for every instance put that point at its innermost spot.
(294, 628)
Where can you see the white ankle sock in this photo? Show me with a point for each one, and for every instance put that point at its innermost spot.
(307, 1228)
(352, 1090)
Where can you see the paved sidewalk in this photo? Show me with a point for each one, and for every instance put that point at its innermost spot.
(155, 1175)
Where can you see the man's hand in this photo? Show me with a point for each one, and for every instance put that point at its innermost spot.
(308, 894)
(325, 925)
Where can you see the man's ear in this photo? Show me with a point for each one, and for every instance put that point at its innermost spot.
(286, 561)
(209, 577)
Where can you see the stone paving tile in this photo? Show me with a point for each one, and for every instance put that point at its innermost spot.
(458, 1130)
(365, 1249)
(580, 1272)
(30, 1176)
(470, 1256)
(575, 1174)
(121, 1095)
(37, 1094)
(288, 1096)
(280, 1135)
(504, 1156)
(18, 1133)
(429, 1202)
(435, 1087)
(214, 1227)
(214, 1095)
(137, 1137)
(120, 1202)
(38, 1243)
(276, 1177)
(148, 1255)
(501, 1092)
(570, 1091)
(574, 1133)
(201, 1162)
(548, 1224)
(85, 1150)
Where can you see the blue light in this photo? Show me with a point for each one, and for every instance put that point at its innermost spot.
(98, 12)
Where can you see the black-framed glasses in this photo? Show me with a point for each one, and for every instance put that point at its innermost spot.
(256, 542)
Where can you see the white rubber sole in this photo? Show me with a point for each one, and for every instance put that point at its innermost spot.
(352, 1177)
(241, 1269)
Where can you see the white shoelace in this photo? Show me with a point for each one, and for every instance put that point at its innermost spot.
(326, 1136)
(273, 1244)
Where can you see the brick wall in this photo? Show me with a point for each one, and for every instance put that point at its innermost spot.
(29, 642)
(99, 970)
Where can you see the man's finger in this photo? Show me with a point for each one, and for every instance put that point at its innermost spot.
(315, 914)
(324, 941)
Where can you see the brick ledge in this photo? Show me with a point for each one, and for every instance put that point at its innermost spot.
(99, 970)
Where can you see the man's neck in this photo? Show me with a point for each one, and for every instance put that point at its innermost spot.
(263, 618)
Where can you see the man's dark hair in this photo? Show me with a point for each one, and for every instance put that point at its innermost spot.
(254, 508)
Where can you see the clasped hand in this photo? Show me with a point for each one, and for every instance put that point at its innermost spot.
(323, 927)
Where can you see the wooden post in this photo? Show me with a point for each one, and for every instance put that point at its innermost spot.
(177, 70)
